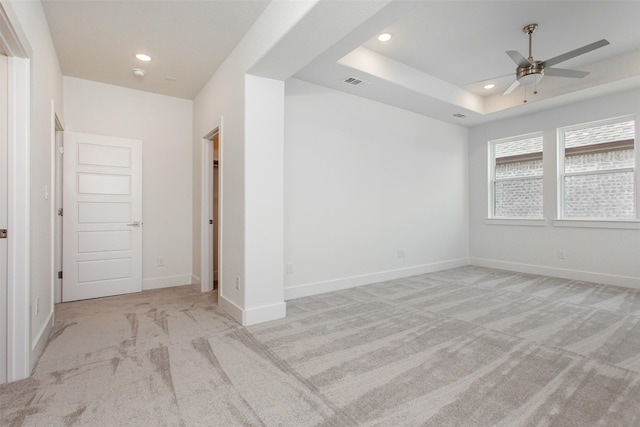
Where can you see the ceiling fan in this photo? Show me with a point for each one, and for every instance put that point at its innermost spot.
(530, 71)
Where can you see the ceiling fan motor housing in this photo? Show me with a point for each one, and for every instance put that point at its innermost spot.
(531, 74)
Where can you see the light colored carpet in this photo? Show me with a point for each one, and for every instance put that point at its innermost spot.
(463, 347)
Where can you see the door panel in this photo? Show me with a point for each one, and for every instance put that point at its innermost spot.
(104, 184)
(103, 212)
(104, 241)
(104, 269)
(97, 155)
(102, 222)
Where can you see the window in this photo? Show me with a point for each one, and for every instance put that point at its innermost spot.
(597, 170)
(516, 177)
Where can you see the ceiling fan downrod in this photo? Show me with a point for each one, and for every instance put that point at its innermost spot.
(529, 30)
(530, 73)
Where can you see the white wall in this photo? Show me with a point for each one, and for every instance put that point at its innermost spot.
(46, 86)
(230, 94)
(596, 254)
(247, 91)
(363, 180)
(222, 95)
(164, 124)
(264, 216)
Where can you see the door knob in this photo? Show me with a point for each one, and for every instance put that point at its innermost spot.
(134, 224)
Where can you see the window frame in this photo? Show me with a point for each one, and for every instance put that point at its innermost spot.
(491, 217)
(594, 222)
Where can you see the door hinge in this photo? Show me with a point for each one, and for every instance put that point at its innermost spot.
(3, 233)
(61, 150)
(59, 274)
(60, 211)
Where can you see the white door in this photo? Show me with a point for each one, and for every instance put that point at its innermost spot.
(102, 216)
(4, 185)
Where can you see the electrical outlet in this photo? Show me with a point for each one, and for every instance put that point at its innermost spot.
(289, 268)
(402, 253)
(37, 305)
(160, 261)
(238, 283)
(561, 254)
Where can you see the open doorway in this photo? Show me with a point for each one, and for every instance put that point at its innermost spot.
(212, 202)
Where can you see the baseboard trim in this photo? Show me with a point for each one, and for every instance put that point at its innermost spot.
(309, 289)
(563, 273)
(40, 342)
(267, 313)
(166, 282)
(253, 316)
(195, 280)
(230, 308)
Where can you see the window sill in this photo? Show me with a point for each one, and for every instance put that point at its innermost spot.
(541, 222)
(628, 224)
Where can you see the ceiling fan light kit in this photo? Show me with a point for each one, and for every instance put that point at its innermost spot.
(529, 72)
(530, 75)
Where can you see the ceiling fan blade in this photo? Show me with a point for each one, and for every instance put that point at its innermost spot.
(511, 88)
(561, 72)
(517, 57)
(576, 52)
(492, 78)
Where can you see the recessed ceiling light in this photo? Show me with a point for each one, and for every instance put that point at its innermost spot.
(384, 37)
(490, 86)
(143, 57)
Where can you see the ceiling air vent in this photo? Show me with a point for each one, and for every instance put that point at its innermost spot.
(459, 116)
(352, 81)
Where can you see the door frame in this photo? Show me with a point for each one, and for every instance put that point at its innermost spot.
(18, 52)
(56, 203)
(4, 205)
(206, 199)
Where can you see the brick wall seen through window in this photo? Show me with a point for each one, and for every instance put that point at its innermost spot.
(598, 171)
(517, 177)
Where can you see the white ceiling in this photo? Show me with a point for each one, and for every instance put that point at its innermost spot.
(440, 56)
(187, 40)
